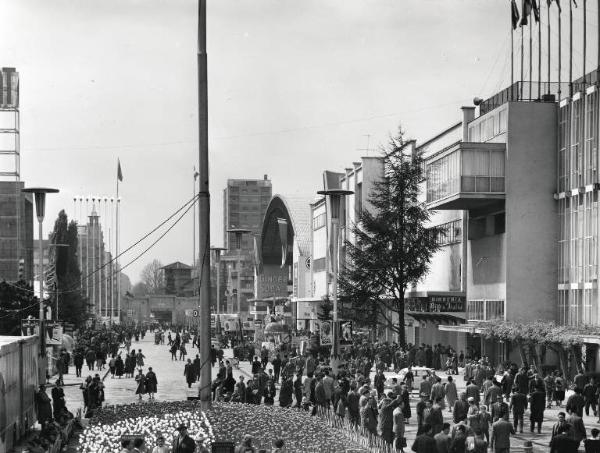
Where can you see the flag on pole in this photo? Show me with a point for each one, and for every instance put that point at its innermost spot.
(119, 172)
(526, 11)
(258, 265)
(514, 14)
(283, 233)
(536, 10)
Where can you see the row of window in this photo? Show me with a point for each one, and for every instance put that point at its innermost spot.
(578, 307)
(578, 231)
(319, 221)
(578, 143)
(493, 125)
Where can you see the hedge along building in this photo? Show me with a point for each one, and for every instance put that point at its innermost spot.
(283, 257)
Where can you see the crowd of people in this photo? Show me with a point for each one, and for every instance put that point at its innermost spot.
(354, 389)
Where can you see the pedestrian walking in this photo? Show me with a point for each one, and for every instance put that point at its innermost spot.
(139, 358)
(537, 403)
(119, 366)
(112, 363)
(140, 380)
(78, 362)
(189, 373)
(501, 431)
(518, 404)
(151, 383)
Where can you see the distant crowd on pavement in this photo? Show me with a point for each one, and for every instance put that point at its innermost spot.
(353, 389)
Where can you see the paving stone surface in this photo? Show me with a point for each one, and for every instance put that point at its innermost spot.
(172, 387)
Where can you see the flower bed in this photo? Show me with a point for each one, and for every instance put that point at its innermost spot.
(300, 431)
(149, 419)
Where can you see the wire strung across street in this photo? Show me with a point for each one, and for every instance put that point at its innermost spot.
(187, 206)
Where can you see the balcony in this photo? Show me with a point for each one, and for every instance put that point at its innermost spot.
(466, 176)
(486, 310)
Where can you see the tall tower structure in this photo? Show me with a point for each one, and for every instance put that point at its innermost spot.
(16, 208)
(245, 202)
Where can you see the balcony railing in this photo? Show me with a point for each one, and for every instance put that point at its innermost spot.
(486, 310)
(466, 175)
(528, 92)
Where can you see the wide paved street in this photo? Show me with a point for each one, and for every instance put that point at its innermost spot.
(172, 386)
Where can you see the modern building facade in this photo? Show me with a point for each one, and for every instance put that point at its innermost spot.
(16, 208)
(283, 270)
(577, 186)
(360, 179)
(245, 202)
(493, 189)
(16, 232)
(97, 277)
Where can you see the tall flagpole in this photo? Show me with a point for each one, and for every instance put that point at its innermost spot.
(584, 38)
(540, 51)
(522, 60)
(112, 266)
(512, 43)
(598, 62)
(570, 48)
(559, 53)
(204, 391)
(118, 269)
(99, 241)
(80, 245)
(87, 250)
(549, 49)
(530, 59)
(106, 274)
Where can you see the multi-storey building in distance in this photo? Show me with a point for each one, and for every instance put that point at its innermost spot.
(16, 207)
(245, 202)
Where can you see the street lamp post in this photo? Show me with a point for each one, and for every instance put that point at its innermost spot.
(335, 196)
(239, 233)
(40, 209)
(218, 251)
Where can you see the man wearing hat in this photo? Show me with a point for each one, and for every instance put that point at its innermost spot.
(183, 443)
(43, 406)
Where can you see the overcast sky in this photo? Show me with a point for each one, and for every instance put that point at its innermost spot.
(294, 88)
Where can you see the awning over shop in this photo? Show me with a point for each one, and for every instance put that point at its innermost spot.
(270, 299)
(439, 318)
(591, 339)
(464, 328)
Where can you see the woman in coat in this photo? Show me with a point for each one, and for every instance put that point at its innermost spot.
(368, 415)
(405, 403)
(151, 383)
(451, 393)
(119, 366)
(141, 383)
(130, 364)
(285, 393)
(140, 358)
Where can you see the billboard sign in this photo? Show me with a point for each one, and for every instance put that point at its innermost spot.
(326, 331)
(272, 282)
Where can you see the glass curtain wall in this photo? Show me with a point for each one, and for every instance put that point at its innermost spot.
(578, 211)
